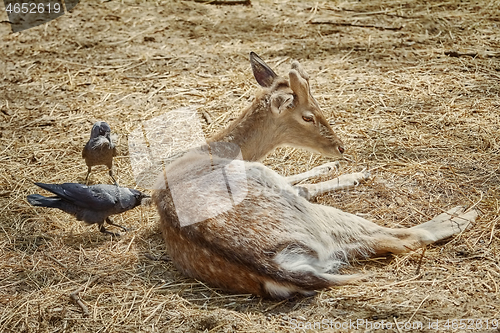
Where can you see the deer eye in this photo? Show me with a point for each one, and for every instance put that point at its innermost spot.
(308, 118)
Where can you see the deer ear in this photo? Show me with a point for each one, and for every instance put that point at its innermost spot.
(299, 85)
(302, 72)
(261, 71)
(280, 102)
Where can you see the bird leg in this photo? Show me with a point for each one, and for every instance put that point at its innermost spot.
(88, 174)
(116, 225)
(111, 174)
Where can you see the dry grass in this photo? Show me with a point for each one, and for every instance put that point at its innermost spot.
(425, 124)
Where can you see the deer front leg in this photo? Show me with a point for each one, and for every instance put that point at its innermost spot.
(309, 191)
(314, 172)
(440, 227)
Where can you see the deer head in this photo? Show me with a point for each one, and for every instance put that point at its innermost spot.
(283, 114)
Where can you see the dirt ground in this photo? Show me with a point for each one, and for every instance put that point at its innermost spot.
(412, 87)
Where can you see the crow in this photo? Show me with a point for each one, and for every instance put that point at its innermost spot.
(100, 149)
(90, 204)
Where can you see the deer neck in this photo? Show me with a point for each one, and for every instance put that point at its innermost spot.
(254, 132)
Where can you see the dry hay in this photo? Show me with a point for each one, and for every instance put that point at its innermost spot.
(424, 123)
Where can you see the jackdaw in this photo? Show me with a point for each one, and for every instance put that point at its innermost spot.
(100, 149)
(90, 204)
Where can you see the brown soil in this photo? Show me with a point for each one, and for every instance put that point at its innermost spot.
(413, 87)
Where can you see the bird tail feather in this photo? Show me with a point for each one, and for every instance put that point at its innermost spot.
(41, 201)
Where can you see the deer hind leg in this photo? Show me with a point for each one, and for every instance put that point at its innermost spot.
(310, 191)
(440, 227)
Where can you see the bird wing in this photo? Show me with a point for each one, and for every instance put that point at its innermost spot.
(84, 151)
(96, 197)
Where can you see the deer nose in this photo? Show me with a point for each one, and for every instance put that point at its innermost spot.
(341, 149)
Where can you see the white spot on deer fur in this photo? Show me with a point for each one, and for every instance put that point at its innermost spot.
(278, 290)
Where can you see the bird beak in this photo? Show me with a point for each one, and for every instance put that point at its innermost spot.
(146, 200)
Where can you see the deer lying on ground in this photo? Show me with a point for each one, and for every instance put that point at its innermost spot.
(272, 241)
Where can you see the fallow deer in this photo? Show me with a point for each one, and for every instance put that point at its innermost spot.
(270, 240)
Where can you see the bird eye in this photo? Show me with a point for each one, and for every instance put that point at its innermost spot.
(308, 118)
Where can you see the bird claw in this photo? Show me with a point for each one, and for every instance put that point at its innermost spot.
(104, 231)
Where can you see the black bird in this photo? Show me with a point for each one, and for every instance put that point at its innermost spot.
(100, 149)
(90, 204)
